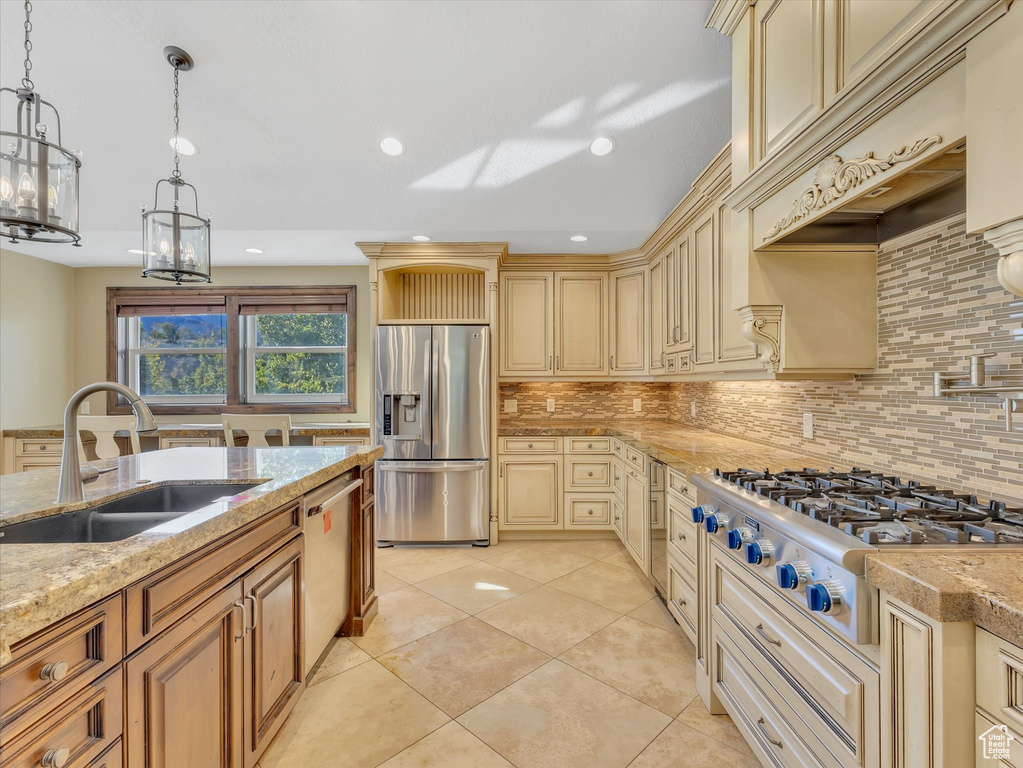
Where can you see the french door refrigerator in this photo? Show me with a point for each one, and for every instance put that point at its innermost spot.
(433, 419)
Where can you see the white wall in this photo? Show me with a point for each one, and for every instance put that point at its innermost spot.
(37, 353)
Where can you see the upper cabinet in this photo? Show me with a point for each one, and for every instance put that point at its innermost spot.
(580, 325)
(658, 319)
(527, 324)
(628, 327)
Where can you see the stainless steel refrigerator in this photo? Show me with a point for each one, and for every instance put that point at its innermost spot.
(433, 419)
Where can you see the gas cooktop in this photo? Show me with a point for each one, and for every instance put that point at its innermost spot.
(882, 509)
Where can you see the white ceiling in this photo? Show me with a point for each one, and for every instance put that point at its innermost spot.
(496, 103)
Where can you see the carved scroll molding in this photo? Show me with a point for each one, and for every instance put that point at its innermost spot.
(835, 177)
(761, 324)
(1008, 239)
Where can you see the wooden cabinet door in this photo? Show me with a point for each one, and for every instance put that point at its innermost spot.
(527, 327)
(684, 292)
(731, 344)
(658, 317)
(580, 326)
(636, 520)
(628, 346)
(274, 658)
(530, 492)
(704, 290)
(183, 691)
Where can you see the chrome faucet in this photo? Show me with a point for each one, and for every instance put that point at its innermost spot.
(70, 488)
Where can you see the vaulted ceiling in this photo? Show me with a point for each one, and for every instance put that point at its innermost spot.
(496, 103)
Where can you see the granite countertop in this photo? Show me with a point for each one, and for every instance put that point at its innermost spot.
(985, 588)
(687, 449)
(43, 583)
(309, 429)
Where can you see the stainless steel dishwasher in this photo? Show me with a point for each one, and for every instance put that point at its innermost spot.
(328, 536)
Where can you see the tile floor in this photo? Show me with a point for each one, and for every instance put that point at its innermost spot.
(525, 654)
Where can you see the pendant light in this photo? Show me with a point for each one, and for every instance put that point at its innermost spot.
(175, 243)
(38, 179)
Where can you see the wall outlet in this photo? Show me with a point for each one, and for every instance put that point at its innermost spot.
(550, 405)
(511, 406)
(84, 409)
(637, 404)
(692, 409)
(808, 426)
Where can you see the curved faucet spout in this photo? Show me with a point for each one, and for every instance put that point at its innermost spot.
(70, 489)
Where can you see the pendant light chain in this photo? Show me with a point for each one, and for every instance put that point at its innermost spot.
(177, 123)
(26, 81)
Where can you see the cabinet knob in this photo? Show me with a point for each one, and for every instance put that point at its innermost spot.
(589, 474)
(54, 672)
(42, 447)
(589, 445)
(681, 536)
(56, 758)
(681, 602)
(529, 445)
(589, 511)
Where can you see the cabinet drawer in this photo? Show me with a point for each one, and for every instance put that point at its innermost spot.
(682, 596)
(588, 445)
(678, 485)
(984, 724)
(618, 448)
(530, 445)
(189, 442)
(30, 463)
(328, 441)
(587, 474)
(636, 459)
(159, 600)
(808, 664)
(683, 364)
(618, 477)
(587, 511)
(1000, 679)
(51, 666)
(753, 712)
(86, 725)
(682, 531)
(618, 516)
(36, 447)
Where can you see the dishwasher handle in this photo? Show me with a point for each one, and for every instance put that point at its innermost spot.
(334, 499)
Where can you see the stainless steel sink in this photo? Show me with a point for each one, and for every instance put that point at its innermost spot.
(120, 518)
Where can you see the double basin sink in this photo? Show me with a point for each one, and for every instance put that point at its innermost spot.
(120, 518)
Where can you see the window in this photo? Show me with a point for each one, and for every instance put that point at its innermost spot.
(203, 350)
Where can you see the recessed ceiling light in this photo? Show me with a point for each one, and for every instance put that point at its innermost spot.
(392, 147)
(579, 238)
(135, 251)
(253, 250)
(420, 238)
(185, 147)
(602, 146)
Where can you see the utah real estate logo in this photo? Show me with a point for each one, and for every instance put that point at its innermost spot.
(996, 742)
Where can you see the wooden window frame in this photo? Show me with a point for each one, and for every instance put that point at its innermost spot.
(232, 296)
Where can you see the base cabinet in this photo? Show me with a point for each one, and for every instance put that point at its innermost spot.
(637, 525)
(530, 493)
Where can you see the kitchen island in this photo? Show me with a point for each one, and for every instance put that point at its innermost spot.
(96, 634)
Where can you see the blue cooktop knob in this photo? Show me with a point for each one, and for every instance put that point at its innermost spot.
(822, 597)
(710, 522)
(754, 555)
(734, 539)
(697, 514)
(788, 577)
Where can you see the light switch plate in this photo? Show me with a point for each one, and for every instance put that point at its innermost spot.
(550, 405)
(637, 404)
(808, 426)
(84, 409)
(511, 406)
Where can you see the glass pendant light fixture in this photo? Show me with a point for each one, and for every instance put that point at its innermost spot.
(38, 179)
(175, 243)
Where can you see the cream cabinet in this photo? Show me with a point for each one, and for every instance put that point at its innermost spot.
(628, 325)
(329, 440)
(527, 324)
(530, 492)
(658, 317)
(580, 324)
(636, 528)
(703, 290)
(999, 700)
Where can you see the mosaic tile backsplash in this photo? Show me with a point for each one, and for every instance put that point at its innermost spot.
(938, 301)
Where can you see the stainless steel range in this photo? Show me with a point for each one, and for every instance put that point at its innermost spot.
(807, 532)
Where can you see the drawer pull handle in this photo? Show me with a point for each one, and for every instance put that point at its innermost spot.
(245, 620)
(760, 725)
(253, 599)
(54, 672)
(767, 637)
(56, 758)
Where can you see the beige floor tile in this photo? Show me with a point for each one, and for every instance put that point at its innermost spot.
(413, 564)
(597, 548)
(362, 716)
(548, 619)
(719, 727)
(557, 717)
(343, 656)
(405, 615)
(650, 664)
(448, 747)
(459, 666)
(654, 612)
(623, 560)
(477, 587)
(387, 582)
(540, 562)
(607, 585)
(485, 553)
(683, 747)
